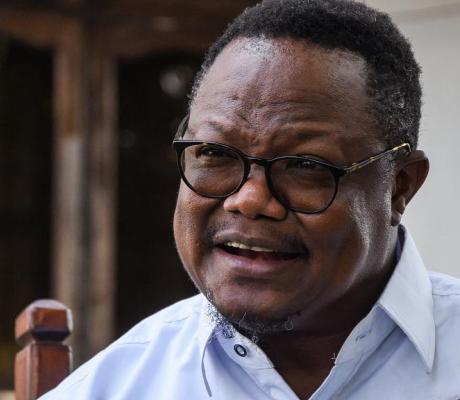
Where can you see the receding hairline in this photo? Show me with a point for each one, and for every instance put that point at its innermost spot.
(268, 46)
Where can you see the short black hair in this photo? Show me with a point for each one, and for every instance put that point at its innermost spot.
(393, 73)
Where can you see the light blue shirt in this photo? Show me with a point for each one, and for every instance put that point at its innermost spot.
(407, 348)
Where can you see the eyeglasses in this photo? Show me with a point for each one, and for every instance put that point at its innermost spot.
(303, 184)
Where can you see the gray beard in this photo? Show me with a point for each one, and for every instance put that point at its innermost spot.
(250, 325)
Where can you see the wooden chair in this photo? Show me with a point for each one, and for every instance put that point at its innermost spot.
(44, 360)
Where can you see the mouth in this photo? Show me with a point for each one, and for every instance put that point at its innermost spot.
(253, 252)
(258, 257)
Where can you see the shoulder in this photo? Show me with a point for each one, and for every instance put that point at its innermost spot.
(446, 313)
(444, 285)
(446, 298)
(160, 336)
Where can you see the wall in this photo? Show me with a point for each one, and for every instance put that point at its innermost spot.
(433, 27)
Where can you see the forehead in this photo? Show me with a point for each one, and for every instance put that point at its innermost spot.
(257, 86)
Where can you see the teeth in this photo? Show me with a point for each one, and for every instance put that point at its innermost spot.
(244, 247)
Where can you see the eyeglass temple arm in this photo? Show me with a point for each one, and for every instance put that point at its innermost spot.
(361, 164)
(182, 128)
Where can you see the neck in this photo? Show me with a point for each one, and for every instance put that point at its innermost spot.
(303, 360)
(303, 350)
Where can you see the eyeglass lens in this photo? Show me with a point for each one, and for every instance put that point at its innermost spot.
(297, 182)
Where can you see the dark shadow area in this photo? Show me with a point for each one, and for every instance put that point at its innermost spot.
(152, 101)
(25, 187)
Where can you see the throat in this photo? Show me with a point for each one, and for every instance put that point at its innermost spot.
(297, 350)
(303, 361)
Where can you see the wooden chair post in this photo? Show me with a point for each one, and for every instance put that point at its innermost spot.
(44, 361)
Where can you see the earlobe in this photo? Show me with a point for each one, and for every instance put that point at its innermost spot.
(408, 180)
(399, 206)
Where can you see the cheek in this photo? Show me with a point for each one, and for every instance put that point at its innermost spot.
(190, 221)
(373, 216)
(350, 237)
(185, 227)
(337, 245)
(372, 211)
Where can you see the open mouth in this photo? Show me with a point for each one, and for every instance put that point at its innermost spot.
(253, 252)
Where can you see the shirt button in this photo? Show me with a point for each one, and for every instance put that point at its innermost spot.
(240, 350)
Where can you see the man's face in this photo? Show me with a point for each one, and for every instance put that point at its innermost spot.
(279, 97)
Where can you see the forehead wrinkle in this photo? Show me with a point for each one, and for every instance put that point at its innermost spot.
(302, 111)
(297, 131)
(219, 125)
(301, 118)
(319, 104)
(262, 113)
(217, 130)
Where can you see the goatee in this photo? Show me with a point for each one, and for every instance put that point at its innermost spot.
(248, 324)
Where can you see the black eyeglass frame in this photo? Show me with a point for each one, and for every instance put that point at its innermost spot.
(337, 171)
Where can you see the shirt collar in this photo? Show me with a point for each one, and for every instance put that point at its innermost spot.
(407, 300)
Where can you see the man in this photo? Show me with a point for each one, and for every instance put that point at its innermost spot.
(298, 158)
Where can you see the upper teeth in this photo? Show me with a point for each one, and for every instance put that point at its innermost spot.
(253, 248)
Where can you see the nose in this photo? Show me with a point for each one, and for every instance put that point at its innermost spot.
(254, 199)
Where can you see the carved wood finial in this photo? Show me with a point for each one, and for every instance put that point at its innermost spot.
(44, 361)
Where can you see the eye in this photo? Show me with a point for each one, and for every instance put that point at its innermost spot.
(303, 164)
(211, 151)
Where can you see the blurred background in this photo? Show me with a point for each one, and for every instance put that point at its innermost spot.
(91, 93)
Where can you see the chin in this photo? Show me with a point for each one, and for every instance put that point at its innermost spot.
(236, 299)
(250, 314)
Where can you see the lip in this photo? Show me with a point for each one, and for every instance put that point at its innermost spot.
(257, 268)
(269, 241)
(266, 266)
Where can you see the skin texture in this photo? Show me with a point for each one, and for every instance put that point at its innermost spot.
(273, 97)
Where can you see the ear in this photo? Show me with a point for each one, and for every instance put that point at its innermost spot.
(410, 176)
